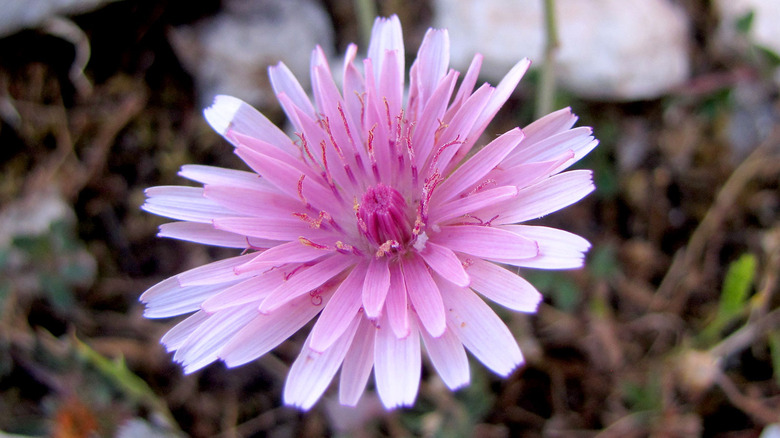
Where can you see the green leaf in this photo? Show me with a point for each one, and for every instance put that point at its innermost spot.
(736, 286)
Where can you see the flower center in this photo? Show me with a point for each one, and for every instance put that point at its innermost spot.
(382, 217)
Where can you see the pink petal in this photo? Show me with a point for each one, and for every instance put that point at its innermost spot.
(208, 235)
(424, 295)
(467, 85)
(472, 203)
(549, 125)
(284, 82)
(168, 298)
(480, 329)
(486, 242)
(266, 331)
(459, 127)
(183, 203)
(579, 140)
(223, 177)
(504, 89)
(433, 60)
(526, 174)
(289, 252)
(178, 335)
(548, 196)
(442, 260)
(429, 118)
(502, 286)
(202, 346)
(281, 229)
(375, 286)
(312, 372)
(448, 357)
(258, 203)
(558, 249)
(473, 170)
(216, 272)
(286, 178)
(228, 113)
(387, 36)
(357, 364)
(301, 282)
(397, 366)
(248, 291)
(341, 309)
(396, 304)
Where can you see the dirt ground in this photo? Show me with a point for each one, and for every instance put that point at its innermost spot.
(670, 330)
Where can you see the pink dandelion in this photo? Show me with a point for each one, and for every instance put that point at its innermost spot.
(376, 219)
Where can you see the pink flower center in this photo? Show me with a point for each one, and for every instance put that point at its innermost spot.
(382, 217)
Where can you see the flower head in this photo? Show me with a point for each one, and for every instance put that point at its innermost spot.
(376, 219)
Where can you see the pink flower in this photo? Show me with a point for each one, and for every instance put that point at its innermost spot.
(377, 217)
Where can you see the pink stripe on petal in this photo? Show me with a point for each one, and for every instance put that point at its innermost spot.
(503, 287)
(206, 234)
(548, 196)
(397, 303)
(216, 272)
(449, 358)
(265, 332)
(442, 260)
(397, 366)
(486, 242)
(357, 364)
(228, 113)
(202, 346)
(312, 372)
(341, 309)
(429, 119)
(301, 282)
(375, 286)
(177, 336)
(424, 294)
(246, 292)
(475, 169)
(480, 329)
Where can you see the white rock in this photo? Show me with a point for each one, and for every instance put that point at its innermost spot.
(764, 30)
(609, 49)
(230, 52)
(19, 14)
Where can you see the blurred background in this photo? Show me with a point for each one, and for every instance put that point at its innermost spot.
(670, 330)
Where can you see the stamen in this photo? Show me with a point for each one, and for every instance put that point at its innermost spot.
(481, 186)
(300, 192)
(306, 242)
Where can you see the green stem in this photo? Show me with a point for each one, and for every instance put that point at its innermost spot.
(546, 96)
(366, 12)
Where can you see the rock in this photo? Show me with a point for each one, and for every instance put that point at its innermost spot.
(18, 14)
(230, 52)
(762, 29)
(609, 49)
